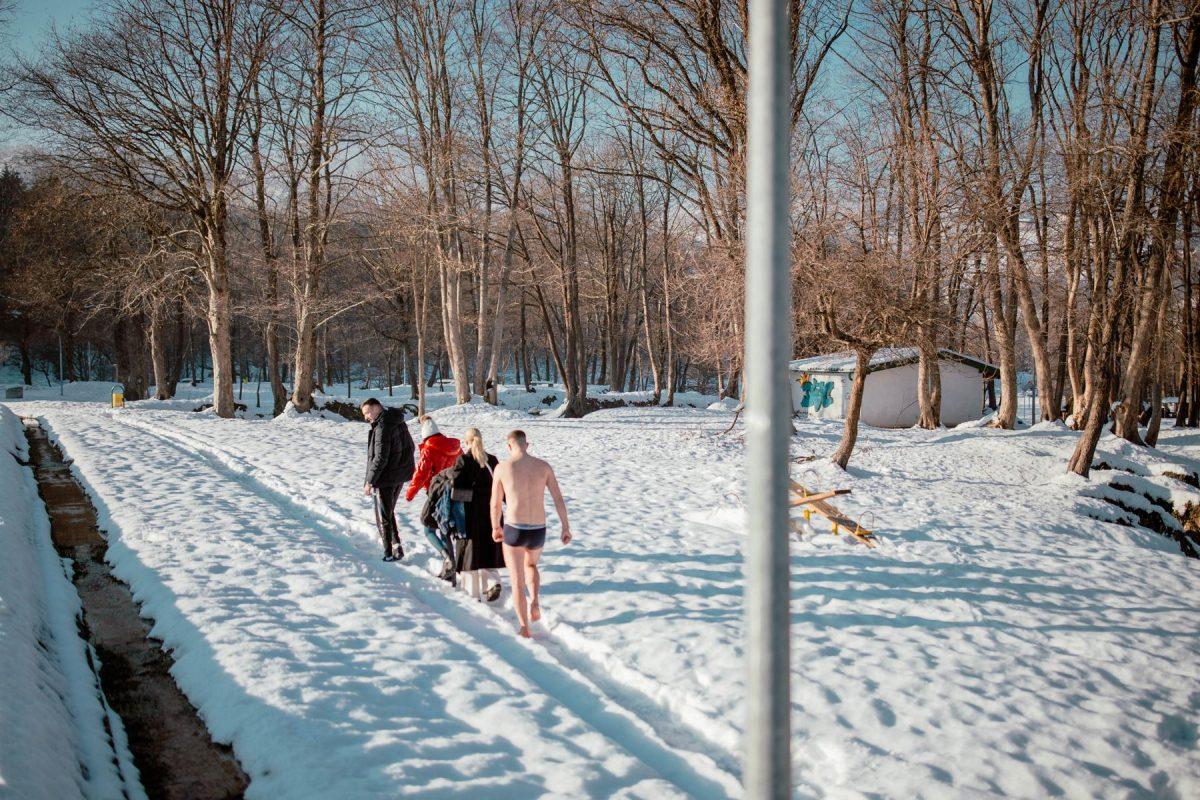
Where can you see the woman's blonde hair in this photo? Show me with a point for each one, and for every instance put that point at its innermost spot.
(475, 446)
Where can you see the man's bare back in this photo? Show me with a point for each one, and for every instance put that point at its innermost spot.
(525, 479)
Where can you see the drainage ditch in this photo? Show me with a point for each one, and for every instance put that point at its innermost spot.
(172, 749)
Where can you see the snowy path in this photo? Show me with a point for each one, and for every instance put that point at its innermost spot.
(606, 584)
(338, 674)
(999, 642)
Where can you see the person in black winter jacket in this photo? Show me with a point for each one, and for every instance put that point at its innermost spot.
(478, 555)
(389, 465)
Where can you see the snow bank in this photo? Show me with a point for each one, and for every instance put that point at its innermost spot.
(54, 742)
(291, 416)
(982, 422)
(466, 416)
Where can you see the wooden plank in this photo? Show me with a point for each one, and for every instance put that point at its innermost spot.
(817, 502)
(816, 498)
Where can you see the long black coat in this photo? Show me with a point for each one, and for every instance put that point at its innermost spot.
(389, 450)
(477, 551)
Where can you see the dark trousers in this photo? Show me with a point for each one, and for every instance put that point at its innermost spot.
(385, 517)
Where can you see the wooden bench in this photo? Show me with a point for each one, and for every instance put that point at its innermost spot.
(818, 501)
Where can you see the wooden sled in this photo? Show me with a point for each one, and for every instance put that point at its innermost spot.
(818, 501)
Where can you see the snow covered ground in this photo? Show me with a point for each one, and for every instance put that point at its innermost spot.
(56, 736)
(1001, 640)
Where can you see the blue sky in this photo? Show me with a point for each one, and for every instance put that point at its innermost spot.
(33, 18)
(30, 25)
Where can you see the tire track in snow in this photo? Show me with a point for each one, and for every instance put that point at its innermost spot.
(632, 723)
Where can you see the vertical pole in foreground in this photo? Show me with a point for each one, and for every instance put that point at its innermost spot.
(769, 404)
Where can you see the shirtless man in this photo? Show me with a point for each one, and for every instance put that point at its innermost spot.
(521, 483)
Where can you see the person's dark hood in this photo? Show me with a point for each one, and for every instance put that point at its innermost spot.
(390, 417)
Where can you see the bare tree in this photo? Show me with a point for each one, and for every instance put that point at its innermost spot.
(1004, 174)
(257, 133)
(315, 90)
(561, 78)
(678, 70)
(420, 88)
(1162, 223)
(523, 25)
(1112, 238)
(154, 101)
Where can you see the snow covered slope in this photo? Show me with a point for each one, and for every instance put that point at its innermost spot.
(1000, 641)
(53, 738)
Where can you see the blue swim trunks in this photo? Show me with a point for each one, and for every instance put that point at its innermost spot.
(521, 536)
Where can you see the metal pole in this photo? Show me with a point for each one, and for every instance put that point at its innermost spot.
(769, 403)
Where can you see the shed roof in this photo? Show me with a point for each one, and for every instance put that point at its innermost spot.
(885, 358)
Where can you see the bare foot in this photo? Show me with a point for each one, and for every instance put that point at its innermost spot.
(524, 633)
(535, 612)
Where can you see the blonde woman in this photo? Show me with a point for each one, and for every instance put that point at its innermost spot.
(478, 556)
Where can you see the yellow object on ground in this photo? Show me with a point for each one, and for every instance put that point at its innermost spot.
(816, 501)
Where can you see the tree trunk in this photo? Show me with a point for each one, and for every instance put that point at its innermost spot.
(69, 349)
(650, 349)
(525, 349)
(497, 346)
(1152, 297)
(164, 389)
(449, 282)
(415, 380)
(482, 341)
(279, 393)
(1185, 412)
(129, 343)
(421, 309)
(26, 361)
(324, 377)
(179, 345)
(1155, 423)
(1035, 331)
(558, 361)
(1006, 417)
(306, 358)
(1097, 416)
(929, 382)
(219, 318)
(841, 457)
(644, 259)
(668, 325)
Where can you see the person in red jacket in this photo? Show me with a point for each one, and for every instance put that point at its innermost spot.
(437, 452)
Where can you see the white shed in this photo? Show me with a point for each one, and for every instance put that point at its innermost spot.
(821, 386)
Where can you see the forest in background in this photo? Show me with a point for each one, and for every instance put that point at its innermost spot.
(517, 190)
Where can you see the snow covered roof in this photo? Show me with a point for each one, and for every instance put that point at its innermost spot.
(886, 358)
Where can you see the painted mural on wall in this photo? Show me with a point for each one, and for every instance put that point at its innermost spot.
(814, 394)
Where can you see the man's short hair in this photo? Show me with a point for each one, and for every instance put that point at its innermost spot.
(517, 436)
(370, 401)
